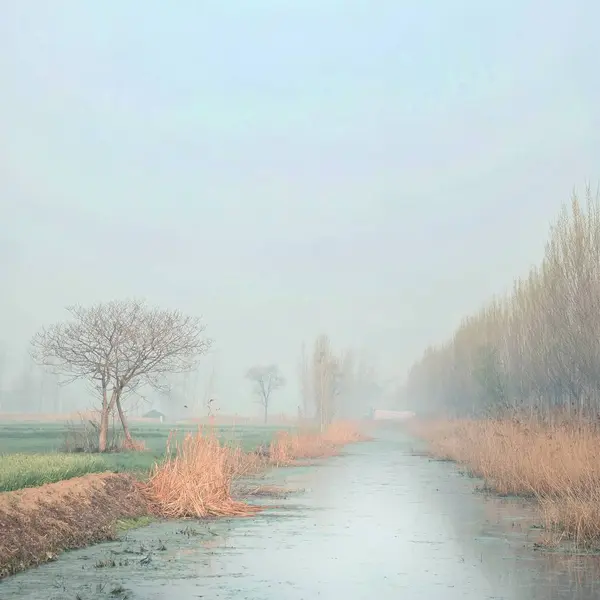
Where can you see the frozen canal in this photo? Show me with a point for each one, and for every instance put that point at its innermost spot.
(378, 522)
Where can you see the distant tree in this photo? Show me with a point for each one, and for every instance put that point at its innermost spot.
(306, 391)
(326, 380)
(27, 388)
(119, 347)
(2, 376)
(266, 379)
(358, 385)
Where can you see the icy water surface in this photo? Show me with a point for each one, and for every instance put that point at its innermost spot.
(377, 522)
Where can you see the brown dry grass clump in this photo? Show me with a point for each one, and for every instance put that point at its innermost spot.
(134, 445)
(341, 433)
(557, 464)
(287, 447)
(38, 523)
(196, 481)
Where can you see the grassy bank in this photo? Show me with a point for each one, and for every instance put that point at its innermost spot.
(44, 437)
(556, 465)
(194, 480)
(19, 471)
(29, 453)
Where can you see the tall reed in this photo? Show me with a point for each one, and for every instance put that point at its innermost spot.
(196, 477)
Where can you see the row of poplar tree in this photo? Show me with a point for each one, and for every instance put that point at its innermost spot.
(536, 349)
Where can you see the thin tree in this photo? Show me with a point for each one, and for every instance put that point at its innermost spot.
(266, 380)
(2, 375)
(325, 370)
(119, 347)
(305, 384)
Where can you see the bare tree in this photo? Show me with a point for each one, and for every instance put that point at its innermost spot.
(120, 347)
(266, 380)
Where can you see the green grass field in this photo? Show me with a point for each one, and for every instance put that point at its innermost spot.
(30, 456)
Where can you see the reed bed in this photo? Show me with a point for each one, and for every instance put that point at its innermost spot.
(556, 464)
(288, 448)
(341, 433)
(195, 479)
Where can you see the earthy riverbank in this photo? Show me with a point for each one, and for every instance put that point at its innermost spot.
(554, 464)
(39, 523)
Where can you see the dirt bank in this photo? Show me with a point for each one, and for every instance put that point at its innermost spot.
(39, 523)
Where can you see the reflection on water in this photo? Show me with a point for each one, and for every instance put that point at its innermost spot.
(377, 522)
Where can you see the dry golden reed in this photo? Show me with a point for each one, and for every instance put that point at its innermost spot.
(308, 444)
(556, 464)
(195, 480)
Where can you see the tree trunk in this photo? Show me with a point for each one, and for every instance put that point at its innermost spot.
(103, 430)
(266, 407)
(126, 432)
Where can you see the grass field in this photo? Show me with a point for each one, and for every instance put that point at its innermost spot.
(29, 452)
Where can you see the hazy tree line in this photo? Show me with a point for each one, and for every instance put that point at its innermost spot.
(30, 389)
(334, 384)
(537, 349)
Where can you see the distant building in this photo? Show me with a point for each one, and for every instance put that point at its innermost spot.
(392, 415)
(155, 414)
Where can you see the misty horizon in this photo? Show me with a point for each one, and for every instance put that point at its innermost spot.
(371, 174)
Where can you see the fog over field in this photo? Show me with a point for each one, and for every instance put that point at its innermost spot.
(371, 171)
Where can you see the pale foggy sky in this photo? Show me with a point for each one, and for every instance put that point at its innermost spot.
(373, 169)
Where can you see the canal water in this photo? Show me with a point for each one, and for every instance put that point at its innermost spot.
(379, 521)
